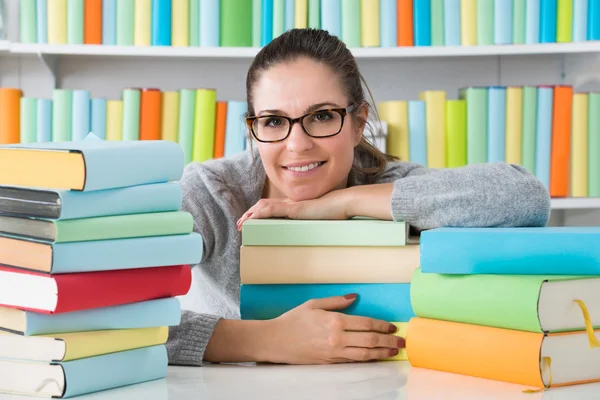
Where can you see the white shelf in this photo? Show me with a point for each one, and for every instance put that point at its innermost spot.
(573, 203)
(4, 45)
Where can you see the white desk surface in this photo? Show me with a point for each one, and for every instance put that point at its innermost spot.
(377, 380)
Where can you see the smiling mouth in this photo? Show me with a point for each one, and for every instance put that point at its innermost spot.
(305, 168)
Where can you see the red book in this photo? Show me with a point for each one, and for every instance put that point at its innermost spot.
(60, 293)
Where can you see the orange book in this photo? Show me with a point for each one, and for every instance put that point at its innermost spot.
(10, 115)
(561, 141)
(220, 124)
(150, 114)
(404, 10)
(525, 358)
(92, 22)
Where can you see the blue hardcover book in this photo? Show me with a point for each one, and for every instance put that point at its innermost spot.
(580, 20)
(235, 128)
(518, 251)
(289, 14)
(386, 301)
(331, 17)
(266, 22)
(417, 140)
(388, 30)
(44, 120)
(42, 21)
(210, 17)
(161, 23)
(109, 22)
(532, 21)
(548, 21)
(496, 124)
(503, 11)
(99, 118)
(543, 134)
(593, 20)
(80, 123)
(452, 22)
(422, 22)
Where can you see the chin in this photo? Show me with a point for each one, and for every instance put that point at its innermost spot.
(302, 194)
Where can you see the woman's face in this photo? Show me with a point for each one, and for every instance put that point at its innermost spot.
(302, 167)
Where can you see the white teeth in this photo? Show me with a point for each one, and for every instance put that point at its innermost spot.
(305, 168)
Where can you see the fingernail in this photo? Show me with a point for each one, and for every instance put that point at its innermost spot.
(393, 352)
(392, 328)
(350, 296)
(401, 343)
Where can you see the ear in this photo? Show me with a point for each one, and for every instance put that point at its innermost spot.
(361, 117)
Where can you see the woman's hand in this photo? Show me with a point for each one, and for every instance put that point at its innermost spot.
(313, 334)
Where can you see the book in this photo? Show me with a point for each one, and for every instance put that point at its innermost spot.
(548, 21)
(566, 250)
(514, 125)
(395, 114)
(534, 303)
(422, 23)
(327, 264)
(161, 23)
(435, 125)
(46, 293)
(477, 123)
(90, 164)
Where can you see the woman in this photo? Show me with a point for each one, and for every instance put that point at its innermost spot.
(307, 112)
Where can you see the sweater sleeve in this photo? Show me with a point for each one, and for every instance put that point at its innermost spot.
(494, 195)
(187, 341)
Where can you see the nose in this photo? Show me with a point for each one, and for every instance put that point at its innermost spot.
(298, 141)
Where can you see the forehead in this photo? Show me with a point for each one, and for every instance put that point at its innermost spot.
(294, 86)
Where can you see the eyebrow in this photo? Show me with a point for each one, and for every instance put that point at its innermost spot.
(309, 109)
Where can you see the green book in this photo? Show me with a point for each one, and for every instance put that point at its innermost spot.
(27, 21)
(529, 128)
(257, 22)
(28, 120)
(564, 21)
(236, 23)
(204, 125)
(131, 114)
(185, 136)
(62, 100)
(437, 22)
(594, 145)
(352, 232)
(518, 21)
(534, 303)
(485, 22)
(194, 38)
(125, 22)
(314, 14)
(75, 22)
(456, 133)
(476, 98)
(278, 18)
(351, 33)
(99, 228)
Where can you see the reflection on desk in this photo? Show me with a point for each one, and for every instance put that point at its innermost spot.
(377, 380)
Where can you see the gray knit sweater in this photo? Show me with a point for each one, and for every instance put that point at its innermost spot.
(218, 192)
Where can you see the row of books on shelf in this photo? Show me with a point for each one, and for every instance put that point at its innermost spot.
(359, 23)
(549, 130)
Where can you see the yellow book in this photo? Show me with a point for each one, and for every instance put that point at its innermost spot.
(395, 114)
(369, 23)
(456, 133)
(204, 125)
(57, 21)
(77, 345)
(435, 127)
(401, 332)
(180, 23)
(170, 116)
(514, 125)
(142, 22)
(579, 151)
(468, 22)
(300, 14)
(114, 120)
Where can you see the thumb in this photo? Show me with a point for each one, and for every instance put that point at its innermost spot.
(333, 302)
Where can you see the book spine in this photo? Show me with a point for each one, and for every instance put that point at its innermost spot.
(194, 22)
(532, 21)
(477, 116)
(42, 21)
(142, 35)
(452, 22)
(185, 137)
(99, 118)
(548, 10)
(435, 115)
(351, 23)
(125, 22)
(579, 155)
(204, 124)
(210, 24)
(266, 22)
(417, 132)
(150, 113)
(235, 135)
(496, 124)
(422, 23)
(594, 20)
(180, 23)
(395, 114)
(62, 100)
(80, 114)
(389, 27)
(580, 20)
(503, 22)
(314, 14)
(594, 145)
(561, 141)
(331, 17)
(369, 23)
(44, 121)
(57, 22)
(529, 127)
(109, 22)
(279, 18)
(564, 23)
(220, 126)
(27, 21)
(28, 120)
(485, 22)
(514, 125)
(468, 22)
(92, 25)
(10, 115)
(543, 135)
(518, 24)
(170, 116)
(236, 23)
(289, 14)
(75, 12)
(257, 23)
(301, 14)
(131, 114)
(114, 120)
(161, 22)
(456, 133)
(405, 23)
(437, 22)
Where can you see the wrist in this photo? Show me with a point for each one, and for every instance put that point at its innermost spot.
(349, 197)
(239, 341)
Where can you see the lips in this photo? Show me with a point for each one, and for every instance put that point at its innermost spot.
(304, 167)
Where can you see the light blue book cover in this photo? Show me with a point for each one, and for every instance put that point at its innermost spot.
(80, 125)
(278, 18)
(99, 118)
(543, 136)
(388, 29)
(452, 22)
(289, 14)
(593, 20)
(112, 164)
(235, 128)
(42, 21)
(331, 17)
(210, 25)
(519, 251)
(422, 22)
(161, 23)
(266, 22)
(143, 314)
(386, 301)
(496, 124)
(580, 20)
(503, 11)
(44, 120)
(417, 135)
(532, 21)
(548, 9)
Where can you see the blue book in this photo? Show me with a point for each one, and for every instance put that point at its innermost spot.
(452, 22)
(331, 17)
(580, 20)
(532, 21)
(266, 22)
(593, 20)
(289, 14)
(42, 21)
(422, 22)
(548, 21)
(519, 251)
(417, 140)
(44, 120)
(235, 128)
(80, 123)
(386, 301)
(161, 23)
(543, 134)
(99, 118)
(143, 314)
(503, 11)
(388, 25)
(496, 124)
(210, 17)
(109, 22)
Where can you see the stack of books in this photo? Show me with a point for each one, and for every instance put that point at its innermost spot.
(93, 252)
(284, 263)
(508, 304)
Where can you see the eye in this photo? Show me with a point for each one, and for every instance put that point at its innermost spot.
(274, 122)
(322, 116)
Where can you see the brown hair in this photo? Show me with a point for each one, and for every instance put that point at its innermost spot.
(322, 47)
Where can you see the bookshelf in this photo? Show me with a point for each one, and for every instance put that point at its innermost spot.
(4, 46)
(576, 203)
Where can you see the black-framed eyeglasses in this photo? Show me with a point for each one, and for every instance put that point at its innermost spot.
(318, 124)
